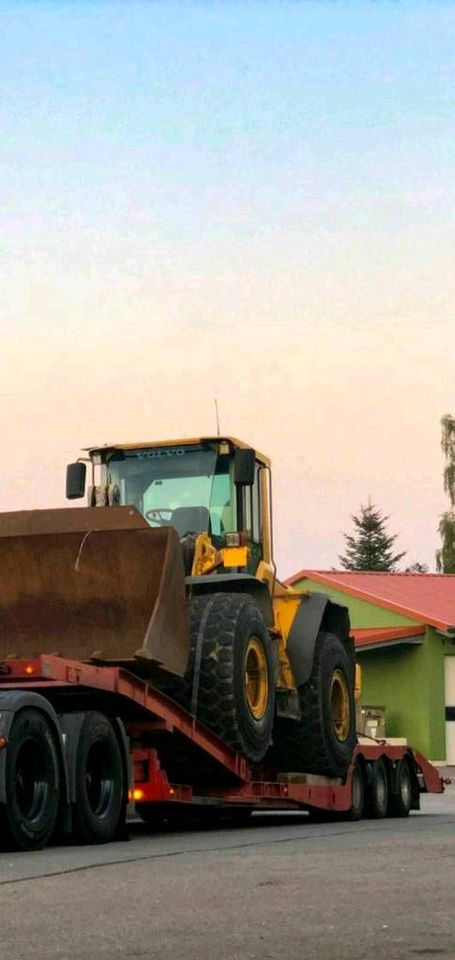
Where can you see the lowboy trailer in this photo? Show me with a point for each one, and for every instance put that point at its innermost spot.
(82, 745)
(150, 656)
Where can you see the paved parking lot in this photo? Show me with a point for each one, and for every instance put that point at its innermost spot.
(280, 888)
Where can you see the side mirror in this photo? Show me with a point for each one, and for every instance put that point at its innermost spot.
(244, 466)
(75, 480)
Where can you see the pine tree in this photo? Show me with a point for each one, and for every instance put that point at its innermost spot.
(370, 548)
(445, 557)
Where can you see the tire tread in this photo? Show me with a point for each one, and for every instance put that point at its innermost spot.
(303, 745)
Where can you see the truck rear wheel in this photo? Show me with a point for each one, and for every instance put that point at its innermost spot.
(230, 679)
(323, 740)
(32, 778)
(99, 781)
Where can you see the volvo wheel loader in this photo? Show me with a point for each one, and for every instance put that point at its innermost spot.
(169, 571)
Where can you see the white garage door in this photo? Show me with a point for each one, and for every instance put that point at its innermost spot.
(449, 665)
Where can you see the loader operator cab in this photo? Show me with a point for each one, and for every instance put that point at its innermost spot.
(217, 487)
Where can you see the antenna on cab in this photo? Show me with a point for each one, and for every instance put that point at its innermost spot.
(217, 418)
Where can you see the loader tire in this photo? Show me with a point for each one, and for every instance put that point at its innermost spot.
(229, 684)
(323, 740)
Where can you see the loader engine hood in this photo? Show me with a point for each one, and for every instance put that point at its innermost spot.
(92, 584)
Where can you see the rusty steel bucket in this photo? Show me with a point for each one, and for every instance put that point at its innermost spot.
(92, 583)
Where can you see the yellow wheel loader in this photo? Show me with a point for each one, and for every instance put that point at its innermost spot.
(169, 571)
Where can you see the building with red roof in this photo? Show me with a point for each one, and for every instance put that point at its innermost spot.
(404, 630)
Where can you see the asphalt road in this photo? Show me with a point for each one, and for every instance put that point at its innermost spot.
(281, 887)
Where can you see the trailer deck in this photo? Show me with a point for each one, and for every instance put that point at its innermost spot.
(176, 761)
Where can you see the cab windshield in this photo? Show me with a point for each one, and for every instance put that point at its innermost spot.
(188, 487)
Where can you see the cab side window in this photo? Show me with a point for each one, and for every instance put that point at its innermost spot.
(252, 509)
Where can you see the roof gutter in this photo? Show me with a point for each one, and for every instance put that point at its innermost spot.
(385, 644)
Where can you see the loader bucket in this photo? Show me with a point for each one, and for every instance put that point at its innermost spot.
(92, 583)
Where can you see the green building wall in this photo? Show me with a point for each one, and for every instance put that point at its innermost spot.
(363, 614)
(406, 679)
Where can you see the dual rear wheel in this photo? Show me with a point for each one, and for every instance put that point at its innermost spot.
(98, 781)
(32, 780)
(389, 790)
(36, 786)
(378, 790)
(382, 790)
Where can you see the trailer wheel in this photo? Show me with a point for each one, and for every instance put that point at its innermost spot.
(230, 679)
(99, 786)
(357, 793)
(323, 741)
(356, 809)
(32, 778)
(377, 795)
(400, 801)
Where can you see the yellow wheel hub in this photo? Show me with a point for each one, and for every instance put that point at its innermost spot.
(256, 678)
(340, 705)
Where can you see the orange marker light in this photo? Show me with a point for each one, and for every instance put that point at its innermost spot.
(30, 668)
(137, 794)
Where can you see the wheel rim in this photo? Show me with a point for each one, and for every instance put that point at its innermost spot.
(340, 705)
(32, 785)
(98, 780)
(256, 678)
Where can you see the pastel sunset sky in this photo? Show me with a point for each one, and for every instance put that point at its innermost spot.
(253, 201)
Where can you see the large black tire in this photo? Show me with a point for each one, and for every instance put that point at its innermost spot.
(323, 740)
(357, 794)
(400, 800)
(356, 809)
(99, 781)
(228, 635)
(377, 795)
(32, 778)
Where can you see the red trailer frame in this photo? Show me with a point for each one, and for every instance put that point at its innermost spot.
(151, 719)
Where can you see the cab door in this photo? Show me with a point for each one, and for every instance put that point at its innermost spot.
(252, 515)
